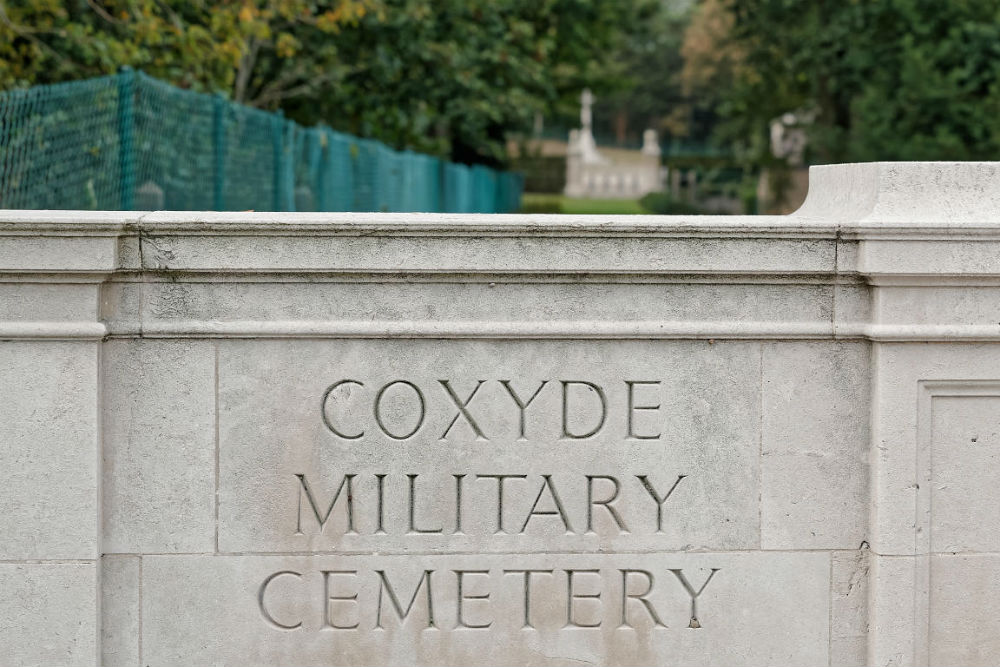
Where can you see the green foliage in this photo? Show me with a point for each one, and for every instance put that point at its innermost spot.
(259, 52)
(532, 202)
(648, 91)
(542, 173)
(575, 206)
(887, 79)
(448, 77)
(454, 77)
(662, 203)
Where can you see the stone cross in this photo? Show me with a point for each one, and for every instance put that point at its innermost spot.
(586, 102)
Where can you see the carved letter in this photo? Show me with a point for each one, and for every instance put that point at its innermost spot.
(641, 597)
(458, 504)
(387, 587)
(380, 504)
(522, 405)
(572, 596)
(378, 409)
(694, 595)
(656, 497)
(462, 596)
(633, 408)
(558, 511)
(263, 609)
(500, 480)
(304, 488)
(413, 509)
(606, 504)
(565, 409)
(326, 418)
(527, 591)
(463, 410)
(327, 622)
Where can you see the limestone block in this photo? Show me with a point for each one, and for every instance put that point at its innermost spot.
(814, 468)
(667, 430)
(964, 628)
(47, 614)
(120, 609)
(930, 306)
(33, 302)
(850, 586)
(280, 611)
(169, 306)
(159, 446)
(48, 450)
(852, 308)
(894, 611)
(477, 244)
(964, 465)
(921, 395)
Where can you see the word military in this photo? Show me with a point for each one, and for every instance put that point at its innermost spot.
(484, 503)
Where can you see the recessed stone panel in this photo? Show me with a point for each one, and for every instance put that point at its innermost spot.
(964, 628)
(965, 472)
(478, 446)
(159, 447)
(814, 445)
(48, 450)
(545, 609)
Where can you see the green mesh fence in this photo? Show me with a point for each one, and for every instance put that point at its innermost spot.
(131, 142)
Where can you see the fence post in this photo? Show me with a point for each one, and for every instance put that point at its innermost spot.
(219, 152)
(323, 170)
(443, 186)
(126, 137)
(289, 147)
(278, 137)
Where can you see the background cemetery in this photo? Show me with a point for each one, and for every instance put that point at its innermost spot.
(693, 105)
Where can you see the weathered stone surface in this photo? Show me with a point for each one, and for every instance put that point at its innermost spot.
(48, 614)
(48, 450)
(757, 609)
(159, 439)
(216, 426)
(166, 304)
(814, 445)
(963, 589)
(276, 435)
(120, 607)
(965, 475)
(849, 587)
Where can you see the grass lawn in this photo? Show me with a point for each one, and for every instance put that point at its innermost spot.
(548, 203)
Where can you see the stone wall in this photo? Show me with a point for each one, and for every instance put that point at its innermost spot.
(301, 440)
(610, 180)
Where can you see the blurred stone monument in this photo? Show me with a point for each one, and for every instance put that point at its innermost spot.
(784, 190)
(629, 174)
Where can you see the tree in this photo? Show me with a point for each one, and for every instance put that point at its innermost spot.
(450, 77)
(885, 79)
(648, 91)
(259, 52)
(454, 77)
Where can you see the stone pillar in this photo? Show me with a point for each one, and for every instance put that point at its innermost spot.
(931, 256)
(575, 186)
(53, 264)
